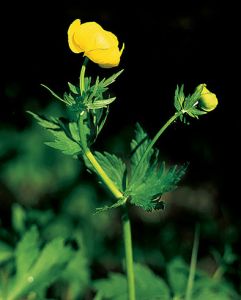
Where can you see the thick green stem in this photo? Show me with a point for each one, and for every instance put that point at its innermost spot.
(193, 264)
(112, 187)
(154, 140)
(129, 256)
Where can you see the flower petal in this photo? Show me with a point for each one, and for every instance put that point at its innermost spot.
(106, 58)
(73, 45)
(98, 45)
(86, 34)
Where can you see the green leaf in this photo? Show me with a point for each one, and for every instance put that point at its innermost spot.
(188, 105)
(69, 99)
(120, 202)
(74, 131)
(146, 192)
(111, 79)
(37, 269)
(27, 251)
(94, 92)
(64, 135)
(195, 113)
(138, 147)
(177, 271)
(74, 89)
(150, 179)
(100, 103)
(94, 95)
(64, 144)
(179, 98)
(100, 116)
(113, 167)
(42, 121)
(148, 286)
(77, 275)
(50, 263)
(54, 94)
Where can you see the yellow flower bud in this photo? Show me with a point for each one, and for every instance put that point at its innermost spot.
(97, 44)
(208, 100)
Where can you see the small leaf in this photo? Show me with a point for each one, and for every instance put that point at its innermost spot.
(42, 121)
(138, 147)
(179, 98)
(113, 167)
(111, 79)
(74, 89)
(120, 202)
(93, 93)
(196, 112)
(101, 118)
(69, 99)
(100, 103)
(192, 100)
(62, 135)
(74, 131)
(64, 144)
(54, 94)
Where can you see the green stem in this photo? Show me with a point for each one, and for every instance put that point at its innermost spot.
(129, 256)
(154, 140)
(82, 76)
(193, 264)
(112, 187)
(106, 179)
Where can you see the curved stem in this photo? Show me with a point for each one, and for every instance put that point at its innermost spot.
(129, 256)
(83, 139)
(154, 140)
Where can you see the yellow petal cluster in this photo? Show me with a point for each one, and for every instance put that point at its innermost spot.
(208, 100)
(97, 44)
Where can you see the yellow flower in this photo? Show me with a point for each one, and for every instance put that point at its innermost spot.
(97, 44)
(208, 100)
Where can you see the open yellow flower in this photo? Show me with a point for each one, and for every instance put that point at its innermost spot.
(208, 100)
(97, 44)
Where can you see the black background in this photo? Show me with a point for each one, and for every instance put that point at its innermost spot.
(166, 44)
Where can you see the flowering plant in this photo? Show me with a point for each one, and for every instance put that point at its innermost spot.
(147, 179)
(140, 181)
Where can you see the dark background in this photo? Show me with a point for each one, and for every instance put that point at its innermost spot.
(166, 44)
